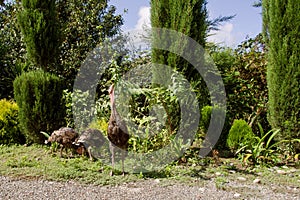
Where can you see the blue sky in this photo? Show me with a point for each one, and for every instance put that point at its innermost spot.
(248, 20)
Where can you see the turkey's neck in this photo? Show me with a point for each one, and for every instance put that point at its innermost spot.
(112, 102)
(112, 98)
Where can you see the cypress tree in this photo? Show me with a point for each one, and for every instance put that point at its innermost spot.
(38, 23)
(39, 93)
(282, 29)
(189, 18)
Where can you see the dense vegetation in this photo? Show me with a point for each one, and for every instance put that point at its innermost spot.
(282, 33)
(44, 43)
(40, 31)
(41, 106)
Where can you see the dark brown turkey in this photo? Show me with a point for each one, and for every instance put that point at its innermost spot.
(90, 141)
(65, 137)
(117, 131)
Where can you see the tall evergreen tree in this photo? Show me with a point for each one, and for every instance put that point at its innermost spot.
(189, 18)
(282, 29)
(38, 23)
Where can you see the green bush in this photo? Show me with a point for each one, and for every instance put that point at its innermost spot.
(9, 125)
(41, 106)
(244, 75)
(206, 112)
(205, 117)
(239, 135)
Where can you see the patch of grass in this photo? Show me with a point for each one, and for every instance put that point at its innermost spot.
(38, 162)
(221, 183)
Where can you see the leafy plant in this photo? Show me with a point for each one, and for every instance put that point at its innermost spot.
(54, 145)
(240, 135)
(244, 74)
(205, 121)
(100, 124)
(263, 149)
(9, 125)
(82, 31)
(280, 30)
(12, 54)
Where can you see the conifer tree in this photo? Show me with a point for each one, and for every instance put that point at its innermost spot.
(187, 17)
(282, 29)
(38, 23)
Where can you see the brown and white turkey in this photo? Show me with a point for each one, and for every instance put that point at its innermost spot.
(117, 131)
(90, 141)
(65, 136)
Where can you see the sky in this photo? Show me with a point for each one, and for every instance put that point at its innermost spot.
(247, 22)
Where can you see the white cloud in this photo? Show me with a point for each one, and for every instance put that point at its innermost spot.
(144, 18)
(139, 34)
(224, 36)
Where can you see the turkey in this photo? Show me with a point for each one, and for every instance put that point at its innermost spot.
(65, 137)
(117, 131)
(90, 141)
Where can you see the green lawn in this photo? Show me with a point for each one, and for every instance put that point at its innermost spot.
(38, 162)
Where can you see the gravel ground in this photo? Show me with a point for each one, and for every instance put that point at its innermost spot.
(12, 188)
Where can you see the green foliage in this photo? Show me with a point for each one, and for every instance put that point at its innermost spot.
(205, 117)
(38, 24)
(239, 135)
(282, 33)
(264, 149)
(11, 49)
(206, 113)
(193, 23)
(100, 124)
(9, 124)
(244, 75)
(82, 31)
(67, 97)
(153, 113)
(86, 113)
(41, 108)
(76, 103)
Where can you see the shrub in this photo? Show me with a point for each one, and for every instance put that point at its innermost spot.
(41, 108)
(100, 124)
(239, 135)
(205, 117)
(9, 125)
(80, 111)
(244, 74)
(206, 112)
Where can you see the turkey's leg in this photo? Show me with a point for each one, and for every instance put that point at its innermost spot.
(123, 157)
(112, 150)
(90, 153)
(61, 150)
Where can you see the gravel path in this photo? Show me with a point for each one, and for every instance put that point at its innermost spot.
(12, 188)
